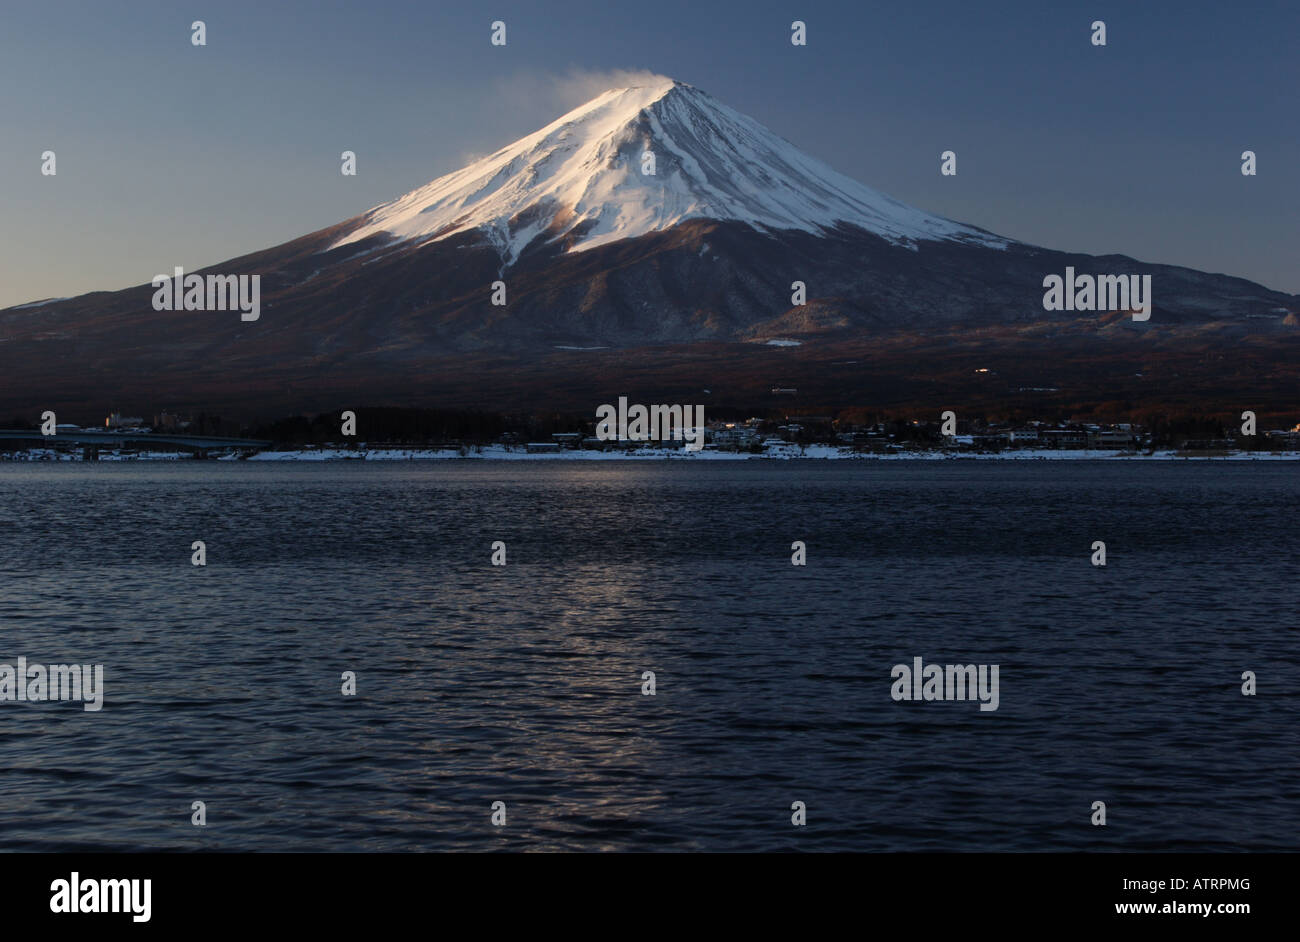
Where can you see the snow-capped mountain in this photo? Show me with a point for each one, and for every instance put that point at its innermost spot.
(582, 180)
(622, 281)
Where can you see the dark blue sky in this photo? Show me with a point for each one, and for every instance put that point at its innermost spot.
(174, 155)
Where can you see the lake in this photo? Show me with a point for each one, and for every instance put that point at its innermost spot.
(523, 683)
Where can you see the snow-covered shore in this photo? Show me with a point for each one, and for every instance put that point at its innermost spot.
(812, 452)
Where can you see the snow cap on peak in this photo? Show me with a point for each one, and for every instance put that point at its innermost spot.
(641, 159)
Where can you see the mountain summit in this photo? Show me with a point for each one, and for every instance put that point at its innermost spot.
(583, 181)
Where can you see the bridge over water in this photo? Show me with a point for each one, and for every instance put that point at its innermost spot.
(119, 439)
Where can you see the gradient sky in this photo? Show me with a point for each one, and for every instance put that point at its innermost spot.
(171, 155)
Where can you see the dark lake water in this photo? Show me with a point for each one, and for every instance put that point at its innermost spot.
(522, 683)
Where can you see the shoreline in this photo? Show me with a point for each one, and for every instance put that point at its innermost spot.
(509, 453)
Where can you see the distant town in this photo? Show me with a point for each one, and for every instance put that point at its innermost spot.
(420, 433)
